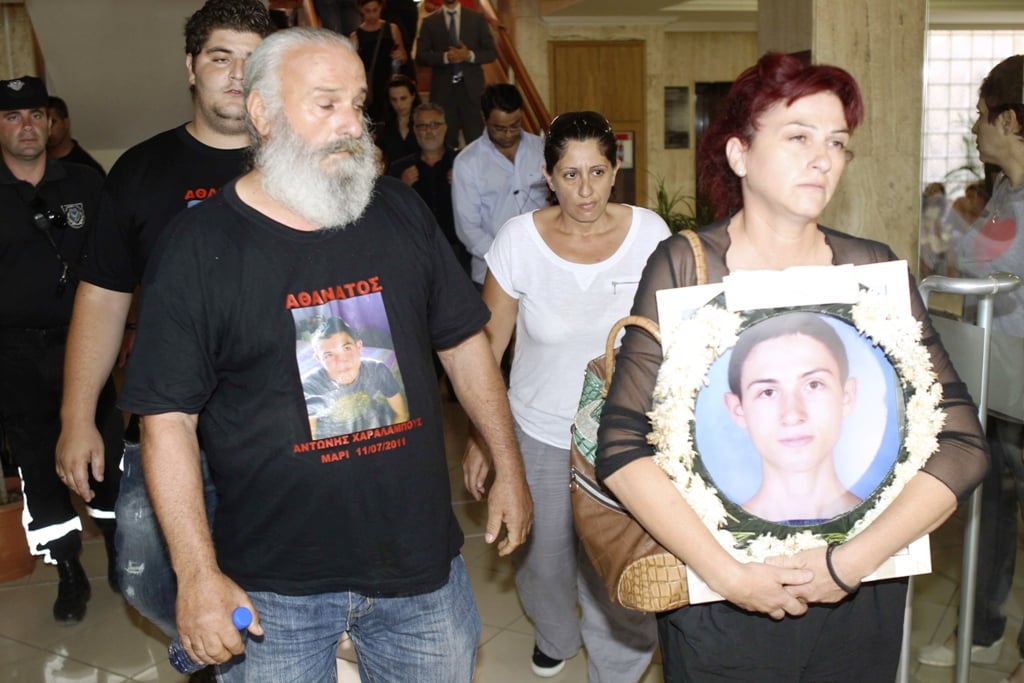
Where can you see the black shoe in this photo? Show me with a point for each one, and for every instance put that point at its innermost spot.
(109, 529)
(73, 592)
(545, 666)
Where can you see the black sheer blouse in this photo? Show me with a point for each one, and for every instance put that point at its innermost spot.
(962, 458)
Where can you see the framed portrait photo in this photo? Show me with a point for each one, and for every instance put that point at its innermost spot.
(794, 424)
(800, 421)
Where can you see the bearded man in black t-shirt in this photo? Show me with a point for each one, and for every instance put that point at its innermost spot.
(317, 536)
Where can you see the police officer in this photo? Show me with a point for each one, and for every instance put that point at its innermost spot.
(45, 209)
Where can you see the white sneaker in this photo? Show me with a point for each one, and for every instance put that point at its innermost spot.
(943, 655)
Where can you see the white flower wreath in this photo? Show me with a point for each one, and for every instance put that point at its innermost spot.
(699, 340)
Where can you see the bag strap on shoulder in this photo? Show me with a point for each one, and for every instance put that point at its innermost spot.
(698, 256)
(609, 347)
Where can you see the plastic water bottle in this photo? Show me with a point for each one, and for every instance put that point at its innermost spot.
(241, 617)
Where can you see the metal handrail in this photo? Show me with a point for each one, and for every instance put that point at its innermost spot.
(996, 283)
(535, 114)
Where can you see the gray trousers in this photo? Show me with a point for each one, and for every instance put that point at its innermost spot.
(553, 573)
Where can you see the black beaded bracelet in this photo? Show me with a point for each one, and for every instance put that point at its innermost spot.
(832, 570)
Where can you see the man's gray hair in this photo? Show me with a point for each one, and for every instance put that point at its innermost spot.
(262, 68)
(428, 106)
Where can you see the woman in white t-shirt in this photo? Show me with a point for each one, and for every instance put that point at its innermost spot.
(560, 277)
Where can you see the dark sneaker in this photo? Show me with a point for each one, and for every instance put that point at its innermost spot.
(109, 529)
(545, 666)
(73, 592)
(113, 578)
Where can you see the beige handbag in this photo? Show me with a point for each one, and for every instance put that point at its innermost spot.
(639, 572)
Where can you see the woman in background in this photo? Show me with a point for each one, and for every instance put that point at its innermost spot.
(398, 139)
(379, 44)
(770, 163)
(995, 242)
(560, 277)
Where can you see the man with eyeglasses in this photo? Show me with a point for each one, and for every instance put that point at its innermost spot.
(45, 209)
(430, 172)
(498, 176)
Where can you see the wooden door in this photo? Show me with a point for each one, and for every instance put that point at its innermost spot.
(606, 77)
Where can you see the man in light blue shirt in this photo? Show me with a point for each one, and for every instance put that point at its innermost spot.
(497, 176)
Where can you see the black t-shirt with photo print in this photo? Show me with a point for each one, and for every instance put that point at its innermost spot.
(366, 511)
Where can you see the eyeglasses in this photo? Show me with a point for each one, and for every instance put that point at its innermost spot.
(506, 130)
(432, 125)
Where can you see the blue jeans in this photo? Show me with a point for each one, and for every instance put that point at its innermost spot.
(428, 638)
(147, 580)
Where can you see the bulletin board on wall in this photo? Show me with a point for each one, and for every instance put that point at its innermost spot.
(624, 191)
(677, 117)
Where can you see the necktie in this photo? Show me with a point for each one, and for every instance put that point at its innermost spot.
(453, 35)
(453, 31)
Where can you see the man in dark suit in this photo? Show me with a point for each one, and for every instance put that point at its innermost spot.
(455, 42)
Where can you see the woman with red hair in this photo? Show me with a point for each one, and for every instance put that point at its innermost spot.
(770, 163)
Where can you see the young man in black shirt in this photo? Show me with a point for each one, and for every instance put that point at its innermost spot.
(149, 185)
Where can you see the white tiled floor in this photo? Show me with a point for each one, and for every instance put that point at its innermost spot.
(115, 644)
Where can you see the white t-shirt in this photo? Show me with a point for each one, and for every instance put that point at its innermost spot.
(565, 312)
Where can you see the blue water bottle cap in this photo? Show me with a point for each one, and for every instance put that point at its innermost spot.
(241, 617)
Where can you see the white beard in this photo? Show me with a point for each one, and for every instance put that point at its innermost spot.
(329, 191)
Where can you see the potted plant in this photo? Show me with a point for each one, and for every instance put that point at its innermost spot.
(15, 559)
(694, 213)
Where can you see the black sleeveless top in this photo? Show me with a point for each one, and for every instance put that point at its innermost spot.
(377, 74)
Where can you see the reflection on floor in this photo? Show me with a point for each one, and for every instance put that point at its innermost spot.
(115, 644)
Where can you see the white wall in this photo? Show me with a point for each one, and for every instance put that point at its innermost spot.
(119, 64)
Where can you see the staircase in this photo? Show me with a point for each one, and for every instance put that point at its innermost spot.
(508, 68)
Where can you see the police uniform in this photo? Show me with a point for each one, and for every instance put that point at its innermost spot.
(42, 232)
(33, 326)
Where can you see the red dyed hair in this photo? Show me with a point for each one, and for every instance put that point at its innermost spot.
(775, 78)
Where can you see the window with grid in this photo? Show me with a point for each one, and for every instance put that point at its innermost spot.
(957, 61)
